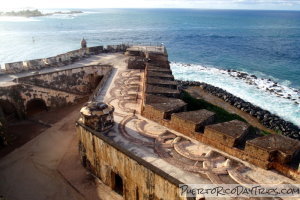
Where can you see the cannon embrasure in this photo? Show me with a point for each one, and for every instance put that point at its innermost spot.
(98, 116)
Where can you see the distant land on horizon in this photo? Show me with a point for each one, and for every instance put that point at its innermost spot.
(35, 13)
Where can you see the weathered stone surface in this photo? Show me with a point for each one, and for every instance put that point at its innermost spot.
(158, 59)
(97, 115)
(160, 75)
(136, 62)
(107, 158)
(162, 82)
(192, 121)
(61, 59)
(158, 69)
(13, 67)
(227, 133)
(159, 108)
(266, 118)
(80, 80)
(163, 91)
(273, 148)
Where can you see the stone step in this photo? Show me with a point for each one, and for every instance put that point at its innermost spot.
(161, 82)
(162, 91)
(160, 75)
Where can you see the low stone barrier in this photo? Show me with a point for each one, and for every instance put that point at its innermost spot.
(266, 118)
(60, 60)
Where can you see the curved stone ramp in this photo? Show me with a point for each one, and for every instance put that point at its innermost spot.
(179, 146)
(140, 126)
(209, 166)
(243, 180)
(125, 134)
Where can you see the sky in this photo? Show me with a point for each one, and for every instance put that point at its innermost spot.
(206, 4)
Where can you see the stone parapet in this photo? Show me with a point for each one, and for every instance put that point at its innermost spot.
(59, 60)
(228, 133)
(191, 121)
(273, 148)
(161, 105)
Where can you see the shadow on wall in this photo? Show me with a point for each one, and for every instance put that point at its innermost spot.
(8, 111)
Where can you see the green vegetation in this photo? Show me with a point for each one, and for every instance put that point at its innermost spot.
(265, 132)
(222, 115)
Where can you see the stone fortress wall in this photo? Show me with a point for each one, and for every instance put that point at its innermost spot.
(266, 118)
(121, 154)
(59, 60)
(55, 88)
(162, 104)
(141, 180)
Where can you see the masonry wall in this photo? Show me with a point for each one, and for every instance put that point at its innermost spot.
(153, 112)
(77, 80)
(20, 94)
(106, 157)
(59, 60)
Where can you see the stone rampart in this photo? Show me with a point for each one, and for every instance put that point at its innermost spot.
(60, 60)
(81, 80)
(266, 118)
(232, 137)
(107, 159)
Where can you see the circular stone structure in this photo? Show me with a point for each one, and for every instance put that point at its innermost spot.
(97, 115)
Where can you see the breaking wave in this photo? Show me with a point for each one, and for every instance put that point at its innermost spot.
(278, 98)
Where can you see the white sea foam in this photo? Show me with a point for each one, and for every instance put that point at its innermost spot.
(278, 98)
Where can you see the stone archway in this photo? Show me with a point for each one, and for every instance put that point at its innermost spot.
(35, 106)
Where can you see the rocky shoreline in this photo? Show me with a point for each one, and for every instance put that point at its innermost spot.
(266, 118)
(269, 85)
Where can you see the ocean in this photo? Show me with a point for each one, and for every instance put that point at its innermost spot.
(203, 45)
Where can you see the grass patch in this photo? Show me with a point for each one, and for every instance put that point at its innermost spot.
(221, 114)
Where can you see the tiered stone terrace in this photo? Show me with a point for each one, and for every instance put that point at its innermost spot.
(157, 144)
(158, 139)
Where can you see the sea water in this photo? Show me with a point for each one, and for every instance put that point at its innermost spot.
(202, 46)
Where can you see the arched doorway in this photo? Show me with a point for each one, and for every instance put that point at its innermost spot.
(8, 111)
(35, 106)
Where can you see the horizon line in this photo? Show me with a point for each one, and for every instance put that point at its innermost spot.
(186, 8)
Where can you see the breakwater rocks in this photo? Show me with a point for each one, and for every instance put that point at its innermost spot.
(268, 119)
(281, 90)
(267, 85)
